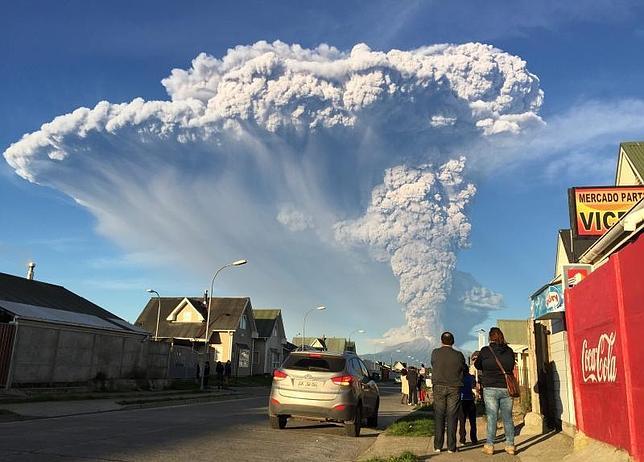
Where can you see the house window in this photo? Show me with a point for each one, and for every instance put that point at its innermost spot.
(243, 322)
(275, 360)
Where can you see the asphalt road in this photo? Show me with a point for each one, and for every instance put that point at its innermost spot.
(230, 430)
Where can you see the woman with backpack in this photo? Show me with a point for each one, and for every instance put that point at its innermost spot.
(495, 361)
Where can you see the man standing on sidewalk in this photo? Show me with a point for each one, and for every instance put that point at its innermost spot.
(448, 366)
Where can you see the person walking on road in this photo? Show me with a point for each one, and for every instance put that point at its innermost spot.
(448, 366)
(495, 390)
(421, 388)
(228, 372)
(219, 370)
(412, 380)
(404, 387)
(467, 410)
(206, 374)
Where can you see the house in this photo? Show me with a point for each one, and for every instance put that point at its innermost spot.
(331, 344)
(182, 321)
(399, 366)
(271, 344)
(50, 335)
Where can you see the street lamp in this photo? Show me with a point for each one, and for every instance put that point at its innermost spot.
(318, 308)
(212, 283)
(152, 291)
(359, 331)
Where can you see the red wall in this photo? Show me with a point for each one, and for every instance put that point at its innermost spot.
(605, 322)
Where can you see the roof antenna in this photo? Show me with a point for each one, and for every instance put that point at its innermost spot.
(30, 270)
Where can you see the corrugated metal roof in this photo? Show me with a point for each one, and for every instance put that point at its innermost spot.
(44, 301)
(41, 313)
(634, 150)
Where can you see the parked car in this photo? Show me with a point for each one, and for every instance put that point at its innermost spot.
(324, 386)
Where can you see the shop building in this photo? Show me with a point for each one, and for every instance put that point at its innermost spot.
(586, 319)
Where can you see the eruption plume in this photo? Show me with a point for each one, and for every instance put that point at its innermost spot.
(285, 142)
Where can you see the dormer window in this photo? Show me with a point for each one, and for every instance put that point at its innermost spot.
(243, 322)
(185, 311)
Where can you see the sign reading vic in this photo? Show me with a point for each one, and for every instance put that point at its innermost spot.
(593, 210)
(598, 362)
(547, 301)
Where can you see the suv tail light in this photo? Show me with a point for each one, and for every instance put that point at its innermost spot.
(344, 380)
(279, 374)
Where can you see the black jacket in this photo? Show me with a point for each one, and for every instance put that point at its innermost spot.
(491, 376)
(447, 367)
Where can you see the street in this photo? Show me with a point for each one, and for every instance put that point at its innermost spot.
(235, 429)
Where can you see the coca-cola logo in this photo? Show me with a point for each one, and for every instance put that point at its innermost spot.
(599, 364)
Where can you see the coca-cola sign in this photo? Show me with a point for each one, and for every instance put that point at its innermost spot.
(598, 363)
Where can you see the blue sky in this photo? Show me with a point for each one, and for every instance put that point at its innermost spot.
(58, 57)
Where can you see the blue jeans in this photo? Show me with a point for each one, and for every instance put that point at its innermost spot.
(495, 399)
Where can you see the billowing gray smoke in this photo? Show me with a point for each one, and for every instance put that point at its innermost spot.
(416, 218)
(282, 140)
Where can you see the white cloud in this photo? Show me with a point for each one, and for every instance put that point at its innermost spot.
(202, 177)
(293, 219)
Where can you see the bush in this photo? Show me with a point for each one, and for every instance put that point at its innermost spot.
(418, 423)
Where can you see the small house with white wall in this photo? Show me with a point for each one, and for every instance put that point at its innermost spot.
(230, 335)
(271, 344)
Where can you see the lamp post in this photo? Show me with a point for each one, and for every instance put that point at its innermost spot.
(152, 291)
(317, 308)
(212, 283)
(358, 331)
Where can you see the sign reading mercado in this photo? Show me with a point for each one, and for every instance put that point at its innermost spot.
(547, 301)
(593, 210)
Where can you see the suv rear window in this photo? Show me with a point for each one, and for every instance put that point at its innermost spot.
(310, 363)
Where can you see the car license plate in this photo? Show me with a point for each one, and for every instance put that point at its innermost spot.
(310, 384)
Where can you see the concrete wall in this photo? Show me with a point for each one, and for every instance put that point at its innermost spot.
(46, 353)
(183, 363)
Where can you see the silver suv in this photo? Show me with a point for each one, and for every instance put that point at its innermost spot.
(324, 386)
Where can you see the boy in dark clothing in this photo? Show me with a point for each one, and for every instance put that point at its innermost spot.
(467, 410)
(412, 378)
(228, 371)
(219, 370)
(206, 374)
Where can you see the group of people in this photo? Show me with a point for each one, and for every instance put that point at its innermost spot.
(223, 372)
(413, 385)
(455, 390)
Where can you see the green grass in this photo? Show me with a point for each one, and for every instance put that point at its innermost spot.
(404, 457)
(418, 423)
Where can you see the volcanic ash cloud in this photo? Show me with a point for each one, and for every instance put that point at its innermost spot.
(286, 141)
(416, 219)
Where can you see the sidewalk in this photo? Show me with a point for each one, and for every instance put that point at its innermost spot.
(116, 402)
(550, 447)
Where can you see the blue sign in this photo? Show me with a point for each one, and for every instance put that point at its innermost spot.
(547, 302)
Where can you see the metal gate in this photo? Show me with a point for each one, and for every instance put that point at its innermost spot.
(7, 333)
